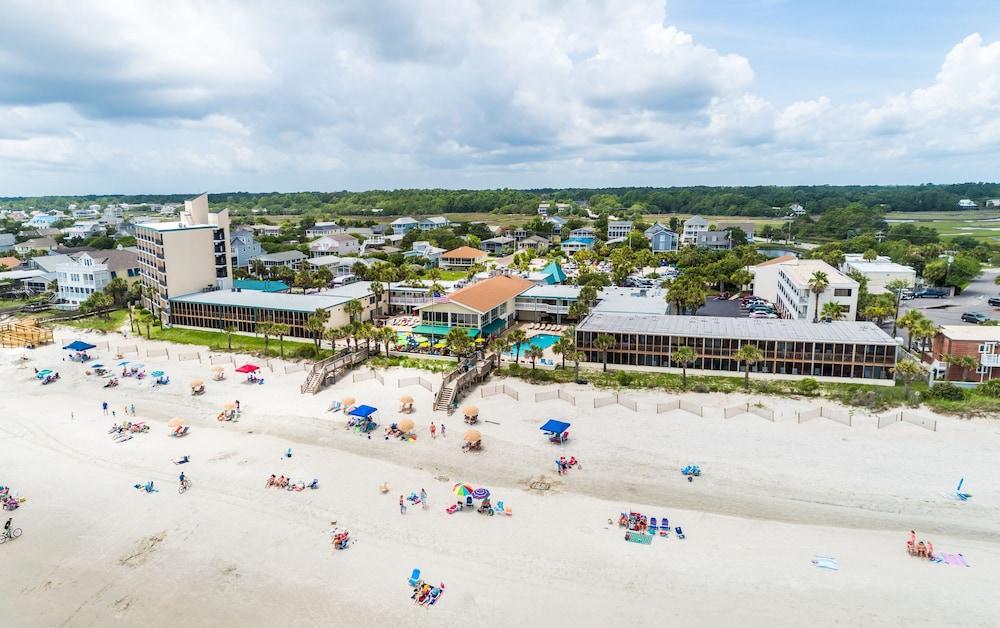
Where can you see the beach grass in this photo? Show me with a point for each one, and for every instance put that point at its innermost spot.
(113, 322)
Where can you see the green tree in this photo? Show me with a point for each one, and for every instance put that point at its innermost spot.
(958, 274)
(378, 289)
(684, 356)
(516, 338)
(146, 318)
(924, 331)
(386, 335)
(315, 325)
(602, 343)
(910, 321)
(831, 310)
(118, 288)
(332, 335)
(963, 362)
(563, 346)
(229, 330)
(280, 330)
(818, 284)
(533, 354)
(98, 302)
(354, 309)
(748, 355)
(266, 329)
(458, 341)
(870, 255)
(896, 287)
(908, 371)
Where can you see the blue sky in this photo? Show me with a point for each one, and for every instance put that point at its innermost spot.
(117, 96)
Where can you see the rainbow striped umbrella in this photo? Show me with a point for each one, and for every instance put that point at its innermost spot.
(462, 490)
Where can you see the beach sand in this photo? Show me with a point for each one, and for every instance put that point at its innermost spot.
(230, 552)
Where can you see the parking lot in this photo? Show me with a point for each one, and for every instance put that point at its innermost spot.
(714, 307)
(949, 311)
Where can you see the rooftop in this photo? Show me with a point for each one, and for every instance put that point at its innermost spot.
(265, 300)
(744, 328)
(465, 252)
(552, 292)
(485, 295)
(283, 256)
(262, 286)
(631, 300)
(781, 259)
(173, 225)
(977, 333)
(356, 290)
(801, 271)
(879, 267)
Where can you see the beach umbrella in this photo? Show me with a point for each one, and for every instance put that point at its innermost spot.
(462, 490)
(248, 368)
(471, 411)
(195, 383)
(481, 493)
(123, 363)
(440, 345)
(157, 373)
(406, 425)
(425, 344)
(406, 399)
(472, 436)
(480, 340)
(218, 369)
(176, 422)
(229, 405)
(348, 401)
(97, 366)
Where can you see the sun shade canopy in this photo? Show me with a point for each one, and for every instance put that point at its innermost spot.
(363, 411)
(553, 426)
(79, 345)
(248, 368)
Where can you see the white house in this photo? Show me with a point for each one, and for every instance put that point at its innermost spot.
(557, 222)
(966, 203)
(543, 209)
(321, 229)
(41, 220)
(434, 222)
(583, 232)
(335, 244)
(797, 210)
(79, 279)
(692, 227)
(795, 298)
(879, 272)
(619, 229)
(403, 224)
(83, 230)
(661, 239)
(422, 248)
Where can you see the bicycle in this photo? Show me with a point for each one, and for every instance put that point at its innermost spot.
(184, 486)
(9, 535)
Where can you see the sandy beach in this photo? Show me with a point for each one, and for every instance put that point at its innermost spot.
(230, 552)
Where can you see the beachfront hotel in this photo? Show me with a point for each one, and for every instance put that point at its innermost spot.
(184, 256)
(484, 309)
(846, 350)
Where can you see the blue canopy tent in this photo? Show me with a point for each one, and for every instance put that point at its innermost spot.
(363, 411)
(556, 430)
(367, 413)
(79, 345)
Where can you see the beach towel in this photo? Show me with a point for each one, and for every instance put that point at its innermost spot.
(640, 538)
(951, 559)
(825, 562)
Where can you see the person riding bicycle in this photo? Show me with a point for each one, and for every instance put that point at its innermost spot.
(182, 478)
(6, 526)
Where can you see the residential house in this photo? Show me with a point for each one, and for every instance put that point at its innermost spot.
(338, 266)
(78, 279)
(292, 259)
(797, 210)
(574, 244)
(692, 227)
(403, 225)
(993, 202)
(561, 207)
(714, 240)
(746, 227)
(462, 258)
(879, 272)
(120, 263)
(518, 234)
(335, 244)
(533, 242)
(321, 229)
(765, 277)
(661, 239)
(795, 299)
(7, 241)
(546, 302)
(424, 249)
(41, 220)
(9, 263)
(497, 245)
(543, 209)
(266, 230)
(244, 247)
(36, 244)
(974, 341)
(557, 222)
(406, 297)
(619, 229)
(484, 309)
(583, 232)
(83, 230)
(434, 222)
(966, 203)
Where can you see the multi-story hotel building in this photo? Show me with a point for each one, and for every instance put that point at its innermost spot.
(184, 256)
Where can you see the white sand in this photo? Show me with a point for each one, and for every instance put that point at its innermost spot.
(95, 552)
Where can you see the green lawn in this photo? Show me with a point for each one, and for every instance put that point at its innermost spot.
(452, 275)
(114, 322)
(982, 224)
(217, 341)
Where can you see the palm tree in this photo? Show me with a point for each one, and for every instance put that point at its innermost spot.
(258, 268)
(909, 321)
(561, 347)
(332, 335)
(602, 343)
(229, 330)
(533, 354)
(831, 310)
(386, 335)
(818, 284)
(517, 338)
(908, 371)
(280, 330)
(684, 355)
(366, 331)
(316, 323)
(748, 354)
(354, 309)
(145, 318)
(118, 289)
(896, 287)
(457, 339)
(924, 331)
(378, 289)
(266, 329)
(576, 356)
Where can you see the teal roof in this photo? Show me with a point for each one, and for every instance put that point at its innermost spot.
(555, 273)
(262, 286)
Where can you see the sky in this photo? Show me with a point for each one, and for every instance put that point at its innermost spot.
(218, 95)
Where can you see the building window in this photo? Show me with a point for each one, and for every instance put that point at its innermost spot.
(841, 292)
(987, 347)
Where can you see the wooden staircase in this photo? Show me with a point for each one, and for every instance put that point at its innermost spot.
(343, 361)
(444, 397)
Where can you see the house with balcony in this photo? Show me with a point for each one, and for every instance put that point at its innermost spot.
(321, 229)
(433, 222)
(795, 299)
(533, 242)
(243, 247)
(483, 309)
(497, 245)
(291, 259)
(338, 266)
(335, 244)
(403, 224)
(406, 296)
(83, 230)
(661, 239)
(714, 240)
(692, 227)
(619, 229)
(462, 258)
(980, 343)
(546, 303)
(583, 232)
(574, 244)
(425, 250)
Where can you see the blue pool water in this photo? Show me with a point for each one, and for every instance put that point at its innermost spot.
(542, 341)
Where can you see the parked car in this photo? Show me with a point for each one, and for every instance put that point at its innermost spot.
(994, 301)
(905, 294)
(974, 317)
(931, 293)
(762, 314)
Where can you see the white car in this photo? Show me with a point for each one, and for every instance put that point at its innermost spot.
(763, 315)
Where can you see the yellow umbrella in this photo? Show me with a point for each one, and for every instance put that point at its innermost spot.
(176, 422)
(472, 436)
(480, 340)
(406, 399)
(406, 425)
(471, 411)
(440, 345)
(218, 369)
(229, 405)
(196, 383)
(425, 344)
(348, 401)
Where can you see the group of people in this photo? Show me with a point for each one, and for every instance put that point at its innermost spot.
(341, 539)
(563, 465)
(9, 501)
(288, 484)
(128, 409)
(413, 499)
(425, 594)
(921, 549)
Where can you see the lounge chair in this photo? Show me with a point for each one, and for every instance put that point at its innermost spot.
(652, 525)
(334, 406)
(414, 577)
(498, 508)
(664, 526)
(468, 501)
(451, 509)
(680, 533)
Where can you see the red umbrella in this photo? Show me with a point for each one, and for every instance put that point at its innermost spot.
(248, 368)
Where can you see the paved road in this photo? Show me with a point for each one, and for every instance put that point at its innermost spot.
(973, 299)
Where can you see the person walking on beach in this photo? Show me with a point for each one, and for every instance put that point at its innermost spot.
(423, 498)
(442, 430)
(131, 409)
(104, 406)
(237, 405)
(433, 430)
(402, 505)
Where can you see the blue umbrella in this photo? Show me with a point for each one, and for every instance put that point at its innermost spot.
(137, 365)
(157, 373)
(480, 493)
(97, 366)
(123, 363)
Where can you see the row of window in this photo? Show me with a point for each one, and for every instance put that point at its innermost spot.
(782, 367)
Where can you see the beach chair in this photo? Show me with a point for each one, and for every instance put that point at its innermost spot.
(451, 509)
(498, 508)
(334, 406)
(652, 525)
(468, 501)
(664, 526)
(414, 577)
(680, 533)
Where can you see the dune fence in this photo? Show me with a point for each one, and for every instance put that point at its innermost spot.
(615, 398)
(496, 389)
(220, 359)
(294, 368)
(668, 406)
(156, 353)
(126, 349)
(415, 381)
(600, 402)
(748, 408)
(690, 406)
(363, 376)
(549, 395)
(188, 355)
(906, 416)
(833, 414)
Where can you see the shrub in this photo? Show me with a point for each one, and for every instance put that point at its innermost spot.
(946, 390)
(989, 389)
(698, 387)
(807, 386)
(304, 351)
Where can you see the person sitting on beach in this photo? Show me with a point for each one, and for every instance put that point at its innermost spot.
(921, 550)
(185, 460)
(572, 461)
(930, 550)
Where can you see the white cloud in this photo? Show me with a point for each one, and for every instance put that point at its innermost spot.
(248, 95)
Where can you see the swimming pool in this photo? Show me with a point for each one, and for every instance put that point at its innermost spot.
(542, 341)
